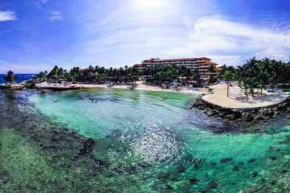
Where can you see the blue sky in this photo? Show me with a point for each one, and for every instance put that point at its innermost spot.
(38, 34)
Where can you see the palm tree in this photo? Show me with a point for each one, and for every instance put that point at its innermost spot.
(42, 76)
(10, 78)
(228, 76)
(262, 75)
(251, 70)
(54, 74)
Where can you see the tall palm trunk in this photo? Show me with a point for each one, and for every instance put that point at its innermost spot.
(228, 89)
(252, 91)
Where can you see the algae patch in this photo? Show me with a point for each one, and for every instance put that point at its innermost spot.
(24, 167)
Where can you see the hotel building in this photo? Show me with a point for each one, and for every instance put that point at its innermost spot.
(202, 65)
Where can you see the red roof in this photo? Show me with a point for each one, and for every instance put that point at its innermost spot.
(219, 68)
(211, 63)
(184, 59)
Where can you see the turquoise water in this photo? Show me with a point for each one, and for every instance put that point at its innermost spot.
(157, 129)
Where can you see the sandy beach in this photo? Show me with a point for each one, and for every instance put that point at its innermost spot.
(219, 97)
(140, 86)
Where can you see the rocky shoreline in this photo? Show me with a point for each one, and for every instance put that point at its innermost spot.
(66, 150)
(244, 117)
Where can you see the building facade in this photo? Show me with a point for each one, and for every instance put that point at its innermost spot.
(140, 67)
(203, 65)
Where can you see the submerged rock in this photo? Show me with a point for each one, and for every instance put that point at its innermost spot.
(251, 160)
(255, 174)
(212, 184)
(180, 169)
(225, 160)
(193, 181)
(88, 147)
(236, 168)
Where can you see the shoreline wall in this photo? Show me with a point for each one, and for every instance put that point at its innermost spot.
(242, 115)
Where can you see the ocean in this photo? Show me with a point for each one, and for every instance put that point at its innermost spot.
(20, 77)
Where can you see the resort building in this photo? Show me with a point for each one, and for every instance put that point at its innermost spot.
(219, 69)
(202, 65)
(140, 67)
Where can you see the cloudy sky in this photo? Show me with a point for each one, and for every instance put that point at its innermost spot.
(38, 34)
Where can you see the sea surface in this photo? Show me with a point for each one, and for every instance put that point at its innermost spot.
(152, 141)
(20, 77)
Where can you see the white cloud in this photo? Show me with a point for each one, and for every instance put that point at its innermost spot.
(7, 16)
(55, 16)
(124, 34)
(230, 42)
(172, 34)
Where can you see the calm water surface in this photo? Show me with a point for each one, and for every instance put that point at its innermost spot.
(158, 129)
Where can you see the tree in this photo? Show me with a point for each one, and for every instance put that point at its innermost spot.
(228, 76)
(252, 71)
(10, 78)
(54, 73)
(42, 76)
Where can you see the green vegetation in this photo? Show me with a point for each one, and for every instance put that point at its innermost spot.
(157, 75)
(259, 74)
(228, 76)
(92, 74)
(164, 73)
(10, 78)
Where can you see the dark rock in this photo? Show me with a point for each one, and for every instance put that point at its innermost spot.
(213, 184)
(236, 168)
(225, 160)
(254, 174)
(273, 182)
(193, 181)
(251, 160)
(273, 158)
(213, 163)
(284, 171)
(88, 147)
(180, 169)
(245, 116)
(164, 176)
(230, 116)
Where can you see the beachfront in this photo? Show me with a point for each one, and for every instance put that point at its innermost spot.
(217, 97)
(241, 101)
(139, 86)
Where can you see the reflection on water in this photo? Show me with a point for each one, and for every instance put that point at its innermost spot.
(154, 138)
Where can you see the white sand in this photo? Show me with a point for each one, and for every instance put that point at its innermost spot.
(140, 86)
(143, 87)
(242, 102)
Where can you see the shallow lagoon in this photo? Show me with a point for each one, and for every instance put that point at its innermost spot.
(160, 129)
(152, 141)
